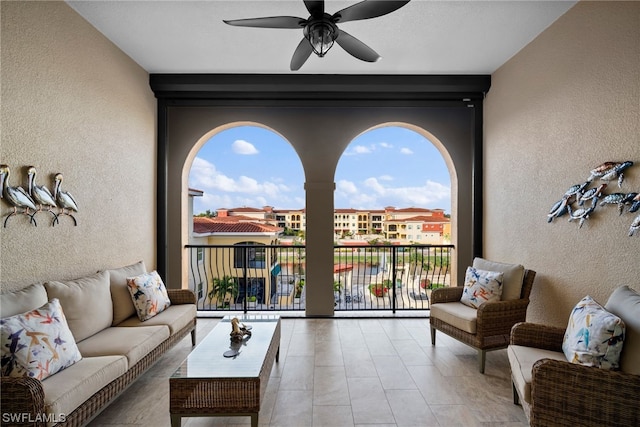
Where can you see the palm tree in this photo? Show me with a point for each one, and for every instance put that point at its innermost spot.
(221, 287)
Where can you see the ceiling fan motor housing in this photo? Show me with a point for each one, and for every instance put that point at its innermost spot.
(321, 33)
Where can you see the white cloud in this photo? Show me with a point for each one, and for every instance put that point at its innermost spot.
(224, 191)
(385, 178)
(346, 187)
(361, 149)
(406, 151)
(240, 146)
(385, 145)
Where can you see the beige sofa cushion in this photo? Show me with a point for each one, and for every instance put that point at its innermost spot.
(86, 303)
(68, 389)
(513, 275)
(134, 343)
(624, 302)
(521, 360)
(123, 307)
(456, 314)
(27, 299)
(175, 316)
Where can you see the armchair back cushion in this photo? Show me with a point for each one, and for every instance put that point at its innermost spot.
(513, 275)
(78, 297)
(24, 300)
(624, 302)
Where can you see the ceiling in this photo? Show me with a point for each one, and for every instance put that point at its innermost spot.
(423, 37)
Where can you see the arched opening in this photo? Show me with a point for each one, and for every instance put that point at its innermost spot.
(244, 183)
(395, 198)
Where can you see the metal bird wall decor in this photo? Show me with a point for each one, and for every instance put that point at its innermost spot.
(64, 199)
(41, 194)
(36, 198)
(17, 197)
(581, 194)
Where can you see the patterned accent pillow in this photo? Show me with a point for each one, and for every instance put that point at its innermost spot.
(38, 343)
(481, 286)
(594, 337)
(149, 294)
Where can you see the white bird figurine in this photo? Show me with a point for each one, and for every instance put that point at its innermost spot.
(16, 196)
(40, 194)
(64, 199)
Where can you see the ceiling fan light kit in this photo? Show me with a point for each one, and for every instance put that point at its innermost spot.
(320, 30)
(321, 35)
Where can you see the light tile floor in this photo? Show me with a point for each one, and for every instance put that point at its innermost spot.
(348, 372)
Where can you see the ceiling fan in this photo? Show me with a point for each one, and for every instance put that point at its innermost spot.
(320, 30)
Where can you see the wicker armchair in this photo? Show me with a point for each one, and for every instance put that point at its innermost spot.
(555, 392)
(568, 394)
(492, 320)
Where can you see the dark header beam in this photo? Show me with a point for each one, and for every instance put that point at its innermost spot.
(318, 86)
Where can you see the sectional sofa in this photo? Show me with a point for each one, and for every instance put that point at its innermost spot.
(112, 345)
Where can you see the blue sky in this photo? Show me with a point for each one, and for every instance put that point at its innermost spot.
(389, 166)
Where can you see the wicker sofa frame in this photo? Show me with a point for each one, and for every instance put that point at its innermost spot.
(26, 395)
(569, 394)
(494, 319)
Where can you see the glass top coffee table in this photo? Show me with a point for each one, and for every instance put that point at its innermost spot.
(210, 384)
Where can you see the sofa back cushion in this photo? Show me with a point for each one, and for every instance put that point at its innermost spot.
(123, 307)
(513, 276)
(86, 303)
(624, 302)
(27, 299)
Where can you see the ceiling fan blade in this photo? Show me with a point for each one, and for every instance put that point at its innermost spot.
(301, 54)
(269, 22)
(315, 7)
(367, 9)
(356, 48)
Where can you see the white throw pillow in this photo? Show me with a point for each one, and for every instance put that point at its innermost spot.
(481, 286)
(149, 295)
(37, 343)
(513, 276)
(594, 337)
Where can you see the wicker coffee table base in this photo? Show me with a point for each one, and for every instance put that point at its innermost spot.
(215, 397)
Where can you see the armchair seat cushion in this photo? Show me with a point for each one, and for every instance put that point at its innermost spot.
(521, 359)
(456, 314)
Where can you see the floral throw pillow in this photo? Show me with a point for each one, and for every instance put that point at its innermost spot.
(481, 286)
(594, 337)
(149, 294)
(38, 343)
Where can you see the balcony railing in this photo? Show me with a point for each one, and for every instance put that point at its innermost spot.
(272, 277)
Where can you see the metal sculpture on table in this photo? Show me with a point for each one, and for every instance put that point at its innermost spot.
(64, 199)
(581, 194)
(240, 333)
(41, 194)
(16, 197)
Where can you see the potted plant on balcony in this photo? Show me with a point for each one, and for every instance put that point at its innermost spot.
(299, 288)
(252, 301)
(379, 289)
(224, 290)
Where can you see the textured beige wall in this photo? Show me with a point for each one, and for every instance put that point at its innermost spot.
(74, 103)
(567, 102)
